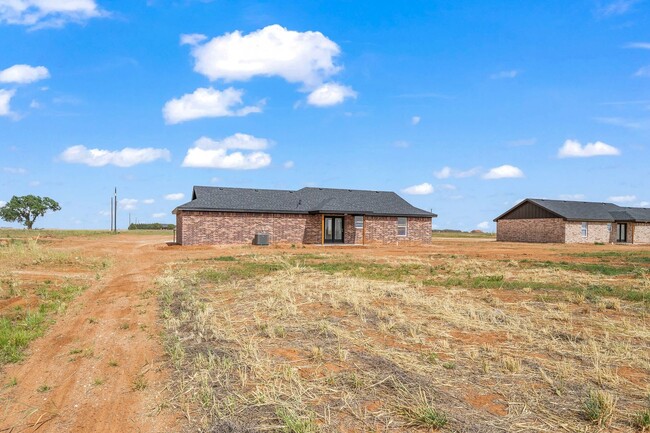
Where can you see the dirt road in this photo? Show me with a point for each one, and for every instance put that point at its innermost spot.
(99, 367)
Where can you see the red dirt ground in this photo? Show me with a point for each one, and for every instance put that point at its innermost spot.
(76, 401)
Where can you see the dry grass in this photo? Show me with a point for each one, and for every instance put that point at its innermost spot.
(259, 342)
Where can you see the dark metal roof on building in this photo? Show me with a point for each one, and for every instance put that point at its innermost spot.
(585, 210)
(303, 201)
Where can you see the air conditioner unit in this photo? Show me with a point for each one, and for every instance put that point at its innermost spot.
(261, 239)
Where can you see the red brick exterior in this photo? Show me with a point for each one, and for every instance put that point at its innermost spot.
(222, 228)
(531, 230)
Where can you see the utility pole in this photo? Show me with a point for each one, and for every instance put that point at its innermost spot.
(115, 211)
(111, 214)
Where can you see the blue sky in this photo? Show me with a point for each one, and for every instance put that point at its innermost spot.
(461, 107)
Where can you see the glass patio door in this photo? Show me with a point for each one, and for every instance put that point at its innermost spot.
(622, 232)
(333, 230)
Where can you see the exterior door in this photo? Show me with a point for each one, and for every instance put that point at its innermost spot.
(333, 230)
(622, 232)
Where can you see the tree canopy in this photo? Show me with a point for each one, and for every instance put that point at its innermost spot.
(27, 208)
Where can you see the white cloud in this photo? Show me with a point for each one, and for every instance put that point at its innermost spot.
(148, 201)
(192, 39)
(159, 215)
(14, 170)
(421, 189)
(573, 149)
(207, 102)
(641, 45)
(618, 7)
(330, 94)
(35, 104)
(23, 74)
(48, 13)
(174, 196)
(622, 198)
(572, 196)
(127, 203)
(504, 74)
(643, 72)
(415, 120)
(504, 172)
(483, 225)
(447, 172)
(288, 164)
(5, 100)
(208, 153)
(126, 157)
(298, 57)
(640, 204)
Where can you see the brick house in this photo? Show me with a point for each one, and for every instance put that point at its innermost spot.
(307, 216)
(560, 221)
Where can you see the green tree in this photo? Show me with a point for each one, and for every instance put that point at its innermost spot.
(27, 208)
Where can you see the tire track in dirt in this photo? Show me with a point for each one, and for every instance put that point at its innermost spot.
(102, 358)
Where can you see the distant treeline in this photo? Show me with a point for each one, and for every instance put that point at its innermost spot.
(152, 226)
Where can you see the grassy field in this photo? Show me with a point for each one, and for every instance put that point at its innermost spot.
(339, 342)
(9, 234)
(36, 284)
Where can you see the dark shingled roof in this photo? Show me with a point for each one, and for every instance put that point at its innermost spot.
(588, 211)
(305, 200)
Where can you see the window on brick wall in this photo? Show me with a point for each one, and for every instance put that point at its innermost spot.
(402, 224)
(584, 230)
(358, 221)
(609, 227)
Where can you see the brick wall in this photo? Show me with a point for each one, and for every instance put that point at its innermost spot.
(641, 233)
(531, 230)
(222, 228)
(383, 230)
(596, 232)
(196, 228)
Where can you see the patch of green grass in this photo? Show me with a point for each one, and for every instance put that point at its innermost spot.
(641, 420)
(22, 327)
(599, 407)
(239, 271)
(591, 268)
(292, 423)
(139, 383)
(372, 271)
(425, 415)
(12, 382)
(43, 388)
(622, 256)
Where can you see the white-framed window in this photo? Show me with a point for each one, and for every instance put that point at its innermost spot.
(584, 230)
(358, 221)
(402, 224)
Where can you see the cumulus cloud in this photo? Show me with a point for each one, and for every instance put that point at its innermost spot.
(504, 74)
(298, 57)
(5, 100)
(483, 225)
(159, 215)
(148, 201)
(174, 196)
(573, 149)
(421, 189)
(447, 172)
(207, 102)
(415, 120)
(622, 198)
(192, 39)
(209, 153)
(128, 203)
(48, 13)
(503, 172)
(23, 74)
(126, 157)
(330, 94)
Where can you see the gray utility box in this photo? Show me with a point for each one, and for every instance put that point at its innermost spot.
(261, 239)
